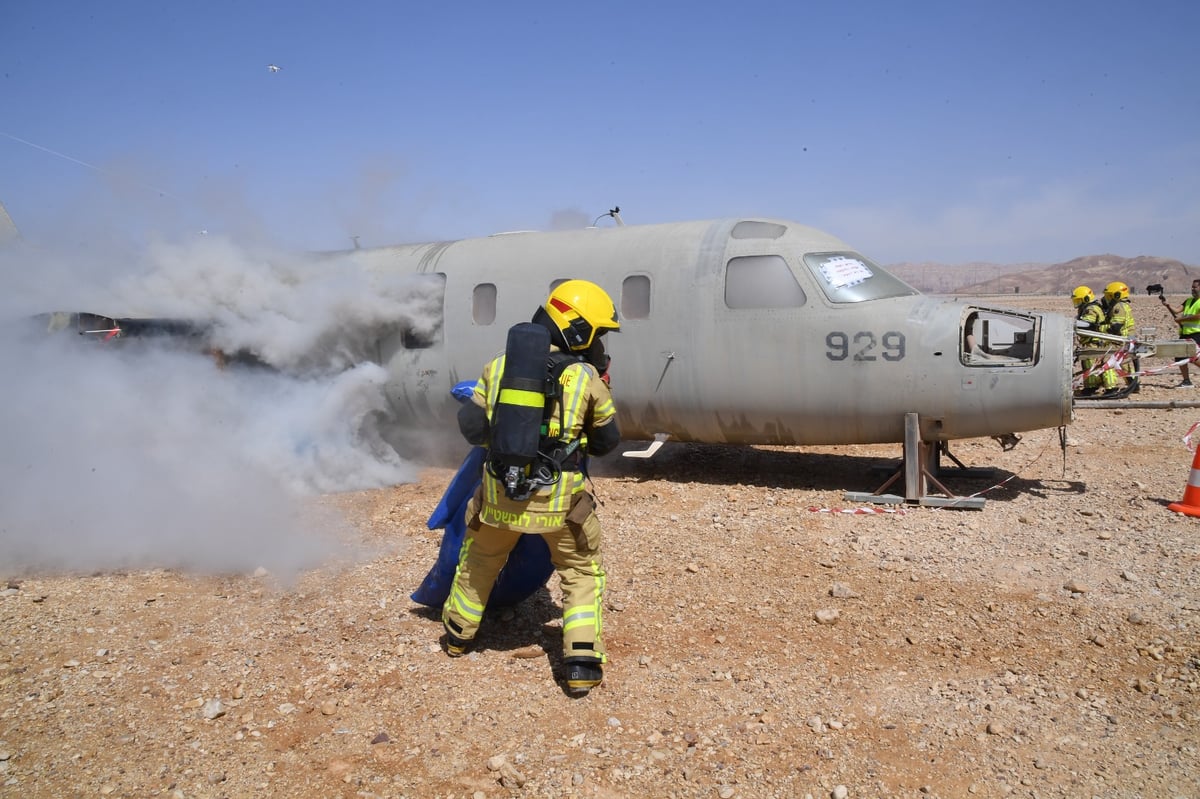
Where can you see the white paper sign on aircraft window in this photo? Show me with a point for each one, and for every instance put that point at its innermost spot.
(841, 272)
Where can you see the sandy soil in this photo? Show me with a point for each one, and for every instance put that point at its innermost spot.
(762, 645)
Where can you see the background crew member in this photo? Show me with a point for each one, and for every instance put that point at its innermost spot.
(1088, 311)
(1119, 322)
(1188, 319)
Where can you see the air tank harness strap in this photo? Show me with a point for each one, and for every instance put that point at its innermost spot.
(566, 457)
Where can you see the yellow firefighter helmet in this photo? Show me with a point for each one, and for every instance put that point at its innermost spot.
(1082, 295)
(1116, 291)
(581, 310)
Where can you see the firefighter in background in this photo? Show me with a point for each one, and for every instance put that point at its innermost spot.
(1089, 315)
(577, 315)
(1188, 319)
(1119, 322)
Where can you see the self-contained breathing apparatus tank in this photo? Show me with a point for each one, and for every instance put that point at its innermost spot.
(528, 390)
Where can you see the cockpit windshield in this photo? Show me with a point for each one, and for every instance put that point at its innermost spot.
(849, 277)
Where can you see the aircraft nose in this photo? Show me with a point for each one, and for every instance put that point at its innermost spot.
(1059, 340)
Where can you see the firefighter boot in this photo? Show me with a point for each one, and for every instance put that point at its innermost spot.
(455, 646)
(583, 674)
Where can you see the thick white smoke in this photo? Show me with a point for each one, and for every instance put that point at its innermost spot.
(148, 452)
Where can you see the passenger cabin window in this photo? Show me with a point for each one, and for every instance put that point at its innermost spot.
(483, 304)
(761, 281)
(849, 277)
(635, 297)
(999, 338)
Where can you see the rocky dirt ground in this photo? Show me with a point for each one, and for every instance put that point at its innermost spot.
(761, 646)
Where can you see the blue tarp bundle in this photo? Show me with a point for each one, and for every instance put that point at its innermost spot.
(528, 567)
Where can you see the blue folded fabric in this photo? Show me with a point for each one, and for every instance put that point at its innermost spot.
(528, 567)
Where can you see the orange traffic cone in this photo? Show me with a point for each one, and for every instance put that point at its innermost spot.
(1190, 504)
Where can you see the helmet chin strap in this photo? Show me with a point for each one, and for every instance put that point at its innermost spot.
(578, 333)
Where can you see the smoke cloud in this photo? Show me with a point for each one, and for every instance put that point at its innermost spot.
(139, 452)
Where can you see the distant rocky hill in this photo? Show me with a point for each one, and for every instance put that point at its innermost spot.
(1096, 271)
(934, 278)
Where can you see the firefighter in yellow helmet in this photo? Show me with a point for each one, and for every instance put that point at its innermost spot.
(1118, 322)
(539, 408)
(1089, 315)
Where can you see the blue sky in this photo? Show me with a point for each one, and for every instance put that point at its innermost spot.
(926, 131)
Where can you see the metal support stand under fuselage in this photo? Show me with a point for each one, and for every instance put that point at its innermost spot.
(919, 469)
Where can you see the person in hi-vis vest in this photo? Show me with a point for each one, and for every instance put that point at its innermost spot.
(1188, 319)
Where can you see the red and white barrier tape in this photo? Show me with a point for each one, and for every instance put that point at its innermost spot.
(1124, 354)
(897, 511)
(1187, 437)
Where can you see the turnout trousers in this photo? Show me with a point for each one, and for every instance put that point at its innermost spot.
(575, 553)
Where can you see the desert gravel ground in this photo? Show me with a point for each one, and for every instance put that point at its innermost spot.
(761, 646)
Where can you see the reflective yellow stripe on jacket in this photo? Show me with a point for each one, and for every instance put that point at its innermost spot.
(547, 508)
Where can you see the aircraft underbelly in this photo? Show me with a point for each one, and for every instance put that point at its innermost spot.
(993, 406)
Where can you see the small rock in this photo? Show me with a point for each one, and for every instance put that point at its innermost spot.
(827, 616)
(213, 709)
(381, 738)
(510, 777)
(840, 792)
(528, 652)
(841, 591)
(328, 707)
(1076, 587)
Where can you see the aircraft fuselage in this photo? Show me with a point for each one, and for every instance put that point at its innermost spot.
(740, 331)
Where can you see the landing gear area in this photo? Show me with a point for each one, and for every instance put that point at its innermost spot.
(920, 468)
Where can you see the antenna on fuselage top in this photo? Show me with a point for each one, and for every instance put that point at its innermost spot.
(615, 213)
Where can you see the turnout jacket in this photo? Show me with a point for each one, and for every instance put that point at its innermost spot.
(584, 412)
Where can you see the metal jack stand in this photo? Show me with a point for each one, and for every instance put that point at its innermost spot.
(918, 470)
